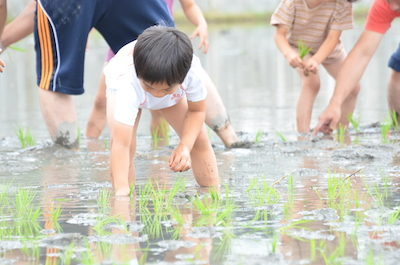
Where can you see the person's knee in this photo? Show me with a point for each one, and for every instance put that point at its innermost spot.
(67, 135)
(312, 84)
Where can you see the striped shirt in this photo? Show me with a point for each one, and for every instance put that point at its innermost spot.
(312, 25)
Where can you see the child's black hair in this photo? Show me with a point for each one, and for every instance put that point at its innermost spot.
(162, 54)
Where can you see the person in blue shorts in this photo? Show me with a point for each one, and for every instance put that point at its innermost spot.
(61, 30)
(394, 83)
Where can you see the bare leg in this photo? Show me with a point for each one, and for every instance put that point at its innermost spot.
(394, 92)
(204, 163)
(350, 103)
(59, 114)
(97, 120)
(216, 117)
(309, 91)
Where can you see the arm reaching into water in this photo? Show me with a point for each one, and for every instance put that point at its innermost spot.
(349, 75)
(194, 120)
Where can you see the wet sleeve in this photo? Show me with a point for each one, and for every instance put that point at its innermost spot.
(343, 18)
(194, 84)
(284, 14)
(380, 17)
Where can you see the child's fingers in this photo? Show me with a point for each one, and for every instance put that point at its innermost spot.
(317, 128)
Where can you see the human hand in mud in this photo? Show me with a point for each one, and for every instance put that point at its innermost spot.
(328, 120)
(180, 159)
(294, 59)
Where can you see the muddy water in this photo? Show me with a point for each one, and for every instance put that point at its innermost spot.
(283, 201)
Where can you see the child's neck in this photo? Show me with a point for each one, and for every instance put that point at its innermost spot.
(313, 3)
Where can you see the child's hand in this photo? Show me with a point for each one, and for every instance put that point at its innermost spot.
(202, 32)
(180, 159)
(294, 60)
(312, 66)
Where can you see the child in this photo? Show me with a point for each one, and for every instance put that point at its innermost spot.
(318, 24)
(163, 74)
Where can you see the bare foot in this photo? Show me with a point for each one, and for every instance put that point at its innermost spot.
(123, 191)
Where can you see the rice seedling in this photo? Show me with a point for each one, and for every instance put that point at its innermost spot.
(161, 133)
(385, 129)
(281, 136)
(258, 136)
(24, 209)
(53, 215)
(274, 242)
(340, 135)
(86, 256)
(261, 194)
(355, 122)
(30, 249)
(312, 249)
(103, 200)
(339, 251)
(25, 137)
(295, 225)
(104, 222)
(303, 51)
(178, 186)
(152, 225)
(224, 247)
(393, 217)
(68, 254)
(395, 121)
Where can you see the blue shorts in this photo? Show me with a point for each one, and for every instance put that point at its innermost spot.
(62, 28)
(394, 61)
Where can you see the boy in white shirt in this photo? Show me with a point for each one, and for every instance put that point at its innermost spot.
(159, 72)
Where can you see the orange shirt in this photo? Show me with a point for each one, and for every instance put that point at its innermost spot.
(380, 16)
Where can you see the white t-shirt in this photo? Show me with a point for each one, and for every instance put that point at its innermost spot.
(121, 80)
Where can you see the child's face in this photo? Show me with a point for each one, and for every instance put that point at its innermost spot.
(394, 5)
(158, 90)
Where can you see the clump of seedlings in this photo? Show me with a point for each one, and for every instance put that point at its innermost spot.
(303, 51)
(161, 133)
(355, 122)
(25, 137)
(385, 129)
(261, 195)
(103, 200)
(395, 120)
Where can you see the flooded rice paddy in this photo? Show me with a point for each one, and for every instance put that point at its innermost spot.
(284, 200)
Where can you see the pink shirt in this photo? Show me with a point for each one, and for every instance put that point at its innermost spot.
(380, 17)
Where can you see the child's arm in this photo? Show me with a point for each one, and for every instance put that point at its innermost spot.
(323, 52)
(119, 156)
(3, 15)
(194, 120)
(195, 16)
(20, 27)
(283, 45)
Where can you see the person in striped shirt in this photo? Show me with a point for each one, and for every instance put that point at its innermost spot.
(317, 25)
(380, 17)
